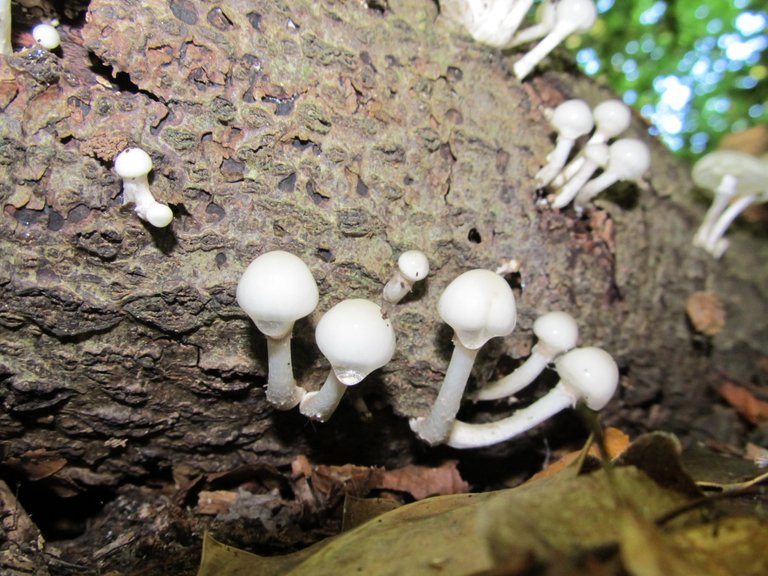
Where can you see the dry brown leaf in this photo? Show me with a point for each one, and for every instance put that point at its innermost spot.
(615, 443)
(706, 312)
(754, 410)
(420, 481)
(213, 502)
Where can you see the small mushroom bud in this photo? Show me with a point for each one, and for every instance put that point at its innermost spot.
(557, 333)
(356, 339)
(47, 36)
(586, 374)
(133, 165)
(478, 305)
(275, 290)
(412, 266)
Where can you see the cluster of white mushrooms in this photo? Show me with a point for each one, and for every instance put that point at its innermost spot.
(277, 289)
(622, 159)
(736, 180)
(496, 22)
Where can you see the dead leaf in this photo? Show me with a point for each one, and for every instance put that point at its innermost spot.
(706, 312)
(615, 440)
(420, 481)
(213, 502)
(754, 410)
(358, 511)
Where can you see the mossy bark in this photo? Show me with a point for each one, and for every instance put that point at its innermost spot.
(345, 133)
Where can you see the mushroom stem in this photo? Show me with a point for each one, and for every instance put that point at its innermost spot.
(5, 27)
(714, 245)
(465, 435)
(517, 380)
(322, 404)
(595, 156)
(435, 427)
(724, 193)
(555, 162)
(282, 391)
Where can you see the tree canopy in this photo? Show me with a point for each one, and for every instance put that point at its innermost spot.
(695, 69)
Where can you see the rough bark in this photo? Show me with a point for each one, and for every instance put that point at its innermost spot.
(345, 133)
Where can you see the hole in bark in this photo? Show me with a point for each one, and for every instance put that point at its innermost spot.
(474, 236)
(325, 255)
(57, 517)
(287, 184)
(254, 19)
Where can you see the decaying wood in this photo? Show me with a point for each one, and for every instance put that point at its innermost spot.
(345, 133)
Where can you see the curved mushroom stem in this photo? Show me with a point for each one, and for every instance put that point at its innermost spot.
(515, 16)
(465, 435)
(435, 427)
(555, 162)
(282, 391)
(539, 30)
(713, 243)
(522, 376)
(322, 404)
(594, 187)
(574, 185)
(724, 193)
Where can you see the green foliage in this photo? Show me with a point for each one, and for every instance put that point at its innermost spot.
(697, 70)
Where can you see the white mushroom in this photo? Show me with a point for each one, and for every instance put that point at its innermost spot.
(586, 374)
(412, 266)
(595, 156)
(47, 36)
(356, 339)
(628, 159)
(6, 47)
(133, 165)
(571, 16)
(491, 22)
(275, 290)
(733, 177)
(572, 119)
(557, 333)
(478, 305)
(612, 118)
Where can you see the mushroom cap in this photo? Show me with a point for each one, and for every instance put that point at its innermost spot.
(579, 14)
(413, 265)
(478, 305)
(629, 158)
(751, 173)
(356, 339)
(557, 330)
(47, 36)
(275, 290)
(133, 163)
(612, 117)
(572, 119)
(590, 374)
(597, 152)
(159, 215)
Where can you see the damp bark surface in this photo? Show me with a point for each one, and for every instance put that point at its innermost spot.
(345, 133)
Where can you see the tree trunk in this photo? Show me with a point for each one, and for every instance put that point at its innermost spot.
(346, 134)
